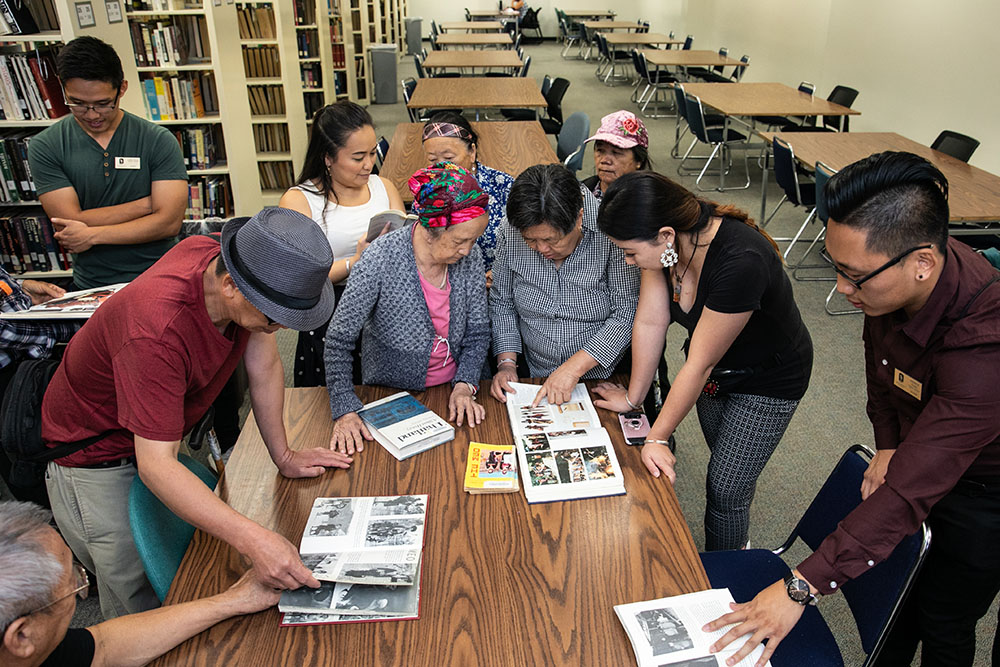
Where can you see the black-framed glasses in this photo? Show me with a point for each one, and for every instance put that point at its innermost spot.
(81, 583)
(102, 109)
(860, 281)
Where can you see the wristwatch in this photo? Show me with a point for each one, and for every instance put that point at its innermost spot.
(798, 590)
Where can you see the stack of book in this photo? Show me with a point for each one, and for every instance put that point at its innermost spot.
(404, 425)
(182, 40)
(180, 96)
(256, 21)
(266, 100)
(276, 175)
(25, 17)
(305, 12)
(339, 57)
(209, 197)
(261, 61)
(563, 450)
(366, 553)
(312, 76)
(27, 242)
(16, 184)
(29, 89)
(200, 146)
(308, 45)
(669, 631)
(270, 138)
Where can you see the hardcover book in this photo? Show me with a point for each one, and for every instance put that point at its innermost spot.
(563, 451)
(404, 425)
(72, 306)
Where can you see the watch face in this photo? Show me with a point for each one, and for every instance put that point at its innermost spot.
(798, 590)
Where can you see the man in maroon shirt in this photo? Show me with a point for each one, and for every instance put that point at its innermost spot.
(146, 367)
(932, 357)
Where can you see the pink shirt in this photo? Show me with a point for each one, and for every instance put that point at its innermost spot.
(442, 367)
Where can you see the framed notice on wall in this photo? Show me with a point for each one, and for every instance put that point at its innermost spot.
(85, 15)
(114, 11)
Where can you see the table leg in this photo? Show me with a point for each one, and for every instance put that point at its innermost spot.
(722, 153)
(763, 186)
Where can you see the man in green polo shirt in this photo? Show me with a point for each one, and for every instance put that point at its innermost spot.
(113, 184)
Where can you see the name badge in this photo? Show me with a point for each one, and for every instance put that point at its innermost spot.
(127, 163)
(907, 383)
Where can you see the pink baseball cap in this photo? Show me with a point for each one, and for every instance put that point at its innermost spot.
(622, 129)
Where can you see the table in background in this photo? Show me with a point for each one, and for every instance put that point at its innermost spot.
(680, 58)
(610, 26)
(973, 194)
(492, 14)
(477, 92)
(502, 583)
(633, 40)
(578, 14)
(499, 58)
(735, 100)
(482, 39)
(511, 147)
(471, 26)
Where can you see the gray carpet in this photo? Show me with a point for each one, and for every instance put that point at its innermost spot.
(830, 417)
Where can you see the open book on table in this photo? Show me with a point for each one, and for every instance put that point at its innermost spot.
(563, 451)
(70, 306)
(668, 631)
(366, 553)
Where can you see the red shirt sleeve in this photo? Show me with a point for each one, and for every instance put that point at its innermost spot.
(150, 384)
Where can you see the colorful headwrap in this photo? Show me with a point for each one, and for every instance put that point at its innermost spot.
(433, 129)
(445, 194)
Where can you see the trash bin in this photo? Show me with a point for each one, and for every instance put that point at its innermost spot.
(382, 59)
(413, 37)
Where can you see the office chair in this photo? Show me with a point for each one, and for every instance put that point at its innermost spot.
(569, 143)
(959, 146)
(875, 597)
(720, 139)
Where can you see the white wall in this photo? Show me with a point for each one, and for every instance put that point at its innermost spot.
(921, 66)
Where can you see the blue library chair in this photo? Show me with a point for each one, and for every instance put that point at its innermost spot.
(161, 537)
(569, 143)
(720, 139)
(875, 597)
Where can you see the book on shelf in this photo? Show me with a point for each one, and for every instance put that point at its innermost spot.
(209, 197)
(307, 43)
(339, 57)
(366, 552)
(404, 426)
(201, 145)
(271, 138)
(16, 18)
(27, 242)
(255, 21)
(491, 469)
(563, 451)
(78, 305)
(16, 183)
(261, 61)
(305, 12)
(276, 175)
(179, 40)
(669, 631)
(29, 89)
(182, 96)
(388, 221)
(266, 99)
(312, 104)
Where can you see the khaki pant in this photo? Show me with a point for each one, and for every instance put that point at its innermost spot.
(90, 507)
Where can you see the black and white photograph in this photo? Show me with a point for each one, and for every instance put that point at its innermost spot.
(383, 573)
(664, 631)
(308, 598)
(394, 532)
(365, 599)
(706, 661)
(313, 561)
(331, 518)
(399, 506)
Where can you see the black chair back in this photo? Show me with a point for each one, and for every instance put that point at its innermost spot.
(784, 170)
(688, 42)
(844, 96)
(823, 174)
(696, 118)
(555, 96)
(959, 146)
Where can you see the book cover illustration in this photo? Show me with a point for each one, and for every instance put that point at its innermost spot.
(404, 425)
(491, 468)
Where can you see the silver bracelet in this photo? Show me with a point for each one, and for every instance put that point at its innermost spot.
(507, 361)
(347, 266)
(630, 403)
(658, 442)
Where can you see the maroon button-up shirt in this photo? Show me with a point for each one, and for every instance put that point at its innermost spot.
(934, 396)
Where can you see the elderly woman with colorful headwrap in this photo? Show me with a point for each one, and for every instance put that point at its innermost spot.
(419, 296)
(449, 137)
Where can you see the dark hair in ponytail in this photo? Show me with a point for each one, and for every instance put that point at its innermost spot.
(331, 127)
(638, 204)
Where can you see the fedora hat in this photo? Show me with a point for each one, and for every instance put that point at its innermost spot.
(280, 261)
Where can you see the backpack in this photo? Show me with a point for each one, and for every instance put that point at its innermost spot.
(21, 424)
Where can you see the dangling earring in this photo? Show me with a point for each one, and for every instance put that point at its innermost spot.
(669, 256)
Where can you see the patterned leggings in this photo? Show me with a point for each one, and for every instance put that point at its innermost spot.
(742, 431)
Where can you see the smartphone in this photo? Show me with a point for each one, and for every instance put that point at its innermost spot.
(635, 427)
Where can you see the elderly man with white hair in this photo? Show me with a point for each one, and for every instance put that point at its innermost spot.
(39, 582)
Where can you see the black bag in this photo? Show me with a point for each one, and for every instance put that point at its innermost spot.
(21, 425)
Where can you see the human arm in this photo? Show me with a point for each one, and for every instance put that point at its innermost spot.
(770, 615)
(137, 639)
(395, 201)
(267, 398)
(168, 200)
(40, 292)
(475, 339)
(503, 317)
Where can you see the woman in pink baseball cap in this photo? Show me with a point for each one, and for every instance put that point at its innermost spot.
(621, 146)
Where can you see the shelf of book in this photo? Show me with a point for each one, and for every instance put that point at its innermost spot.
(45, 36)
(47, 275)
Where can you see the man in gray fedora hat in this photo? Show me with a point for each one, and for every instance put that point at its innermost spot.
(147, 366)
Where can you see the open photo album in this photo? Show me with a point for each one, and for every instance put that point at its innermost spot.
(563, 451)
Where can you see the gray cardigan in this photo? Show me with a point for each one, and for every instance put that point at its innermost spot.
(384, 299)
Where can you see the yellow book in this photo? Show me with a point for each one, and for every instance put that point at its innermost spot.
(161, 97)
(491, 469)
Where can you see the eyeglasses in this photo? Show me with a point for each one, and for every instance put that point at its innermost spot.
(82, 586)
(892, 262)
(102, 109)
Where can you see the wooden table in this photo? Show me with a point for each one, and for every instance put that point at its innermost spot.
(973, 194)
(469, 26)
(503, 582)
(589, 13)
(475, 39)
(632, 40)
(492, 13)
(610, 25)
(476, 92)
(511, 146)
(734, 100)
(678, 58)
(473, 59)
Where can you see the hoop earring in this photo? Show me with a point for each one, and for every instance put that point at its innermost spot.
(669, 256)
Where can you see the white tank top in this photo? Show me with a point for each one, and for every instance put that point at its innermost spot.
(344, 225)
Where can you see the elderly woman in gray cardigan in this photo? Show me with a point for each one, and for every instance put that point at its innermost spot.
(418, 294)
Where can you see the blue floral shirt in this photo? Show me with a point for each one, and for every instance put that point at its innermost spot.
(497, 185)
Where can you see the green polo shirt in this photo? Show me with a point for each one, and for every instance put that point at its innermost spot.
(63, 155)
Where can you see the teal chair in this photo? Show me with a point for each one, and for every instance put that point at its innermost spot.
(161, 537)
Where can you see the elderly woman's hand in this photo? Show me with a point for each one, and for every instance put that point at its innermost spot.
(612, 397)
(462, 406)
(349, 434)
(558, 387)
(500, 386)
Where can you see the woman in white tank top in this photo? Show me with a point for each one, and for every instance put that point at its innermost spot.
(337, 189)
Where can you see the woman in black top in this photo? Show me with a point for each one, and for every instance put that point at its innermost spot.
(749, 355)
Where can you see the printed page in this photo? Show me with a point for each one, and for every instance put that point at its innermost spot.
(72, 305)
(668, 631)
(570, 457)
(577, 413)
